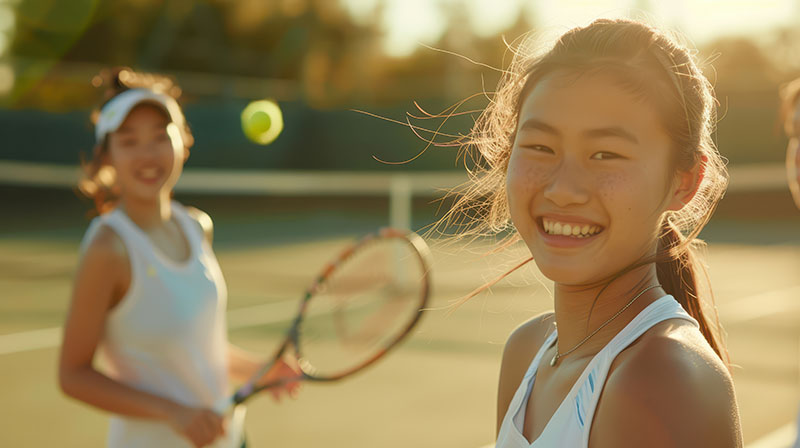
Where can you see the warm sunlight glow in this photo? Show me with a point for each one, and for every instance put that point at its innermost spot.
(407, 23)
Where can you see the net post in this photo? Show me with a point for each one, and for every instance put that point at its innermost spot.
(400, 202)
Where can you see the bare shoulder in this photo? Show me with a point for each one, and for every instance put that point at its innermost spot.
(104, 262)
(520, 348)
(106, 246)
(668, 389)
(525, 340)
(203, 220)
(101, 280)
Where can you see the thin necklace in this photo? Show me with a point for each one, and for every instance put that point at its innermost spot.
(558, 355)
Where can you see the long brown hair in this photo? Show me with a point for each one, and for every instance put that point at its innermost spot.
(649, 64)
(98, 183)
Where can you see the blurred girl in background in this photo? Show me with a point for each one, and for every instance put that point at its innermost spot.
(148, 292)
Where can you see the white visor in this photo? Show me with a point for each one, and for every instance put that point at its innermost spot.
(117, 109)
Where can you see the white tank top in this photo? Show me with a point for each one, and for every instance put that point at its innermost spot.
(570, 424)
(168, 334)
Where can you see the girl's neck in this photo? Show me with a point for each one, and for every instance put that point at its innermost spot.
(579, 310)
(148, 214)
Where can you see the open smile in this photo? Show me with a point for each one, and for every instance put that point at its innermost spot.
(567, 232)
(149, 175)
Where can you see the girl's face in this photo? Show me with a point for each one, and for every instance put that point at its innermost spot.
(795, 118)
(589, 177)
(147, 153)
(794, 125)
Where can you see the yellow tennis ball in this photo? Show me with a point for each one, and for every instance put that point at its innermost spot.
(262, 121)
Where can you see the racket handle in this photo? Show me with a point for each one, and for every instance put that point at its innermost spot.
(224, 405)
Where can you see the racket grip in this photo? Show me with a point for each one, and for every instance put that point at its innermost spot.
(242, 393)
(224, 405)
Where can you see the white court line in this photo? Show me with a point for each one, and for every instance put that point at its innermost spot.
(251, 316)
(237, 318)
(29, 340)
(761, 305)
(741, 310)
(782, 437)
(754, 307)
(268, 313)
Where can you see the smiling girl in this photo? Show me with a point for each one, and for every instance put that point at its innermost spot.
(600, 153)
(148, 291)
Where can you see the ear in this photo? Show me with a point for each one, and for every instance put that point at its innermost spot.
(688, 182)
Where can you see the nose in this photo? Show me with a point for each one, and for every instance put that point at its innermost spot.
(147, 150)
(568, 185)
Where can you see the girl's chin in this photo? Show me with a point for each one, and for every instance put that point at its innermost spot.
(572, 272)
(579, 271)
(570, 276)
(146, 193)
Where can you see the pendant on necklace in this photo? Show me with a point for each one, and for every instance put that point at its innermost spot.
(554, 360)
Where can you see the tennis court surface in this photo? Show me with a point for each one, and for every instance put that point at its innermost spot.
(438, 389)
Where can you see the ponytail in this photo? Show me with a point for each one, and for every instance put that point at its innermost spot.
(677, 272)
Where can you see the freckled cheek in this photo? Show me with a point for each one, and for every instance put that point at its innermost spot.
(613, 187)
(629, 198)
(524, 181)
(120, 159)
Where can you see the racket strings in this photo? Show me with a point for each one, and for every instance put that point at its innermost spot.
(365, 305)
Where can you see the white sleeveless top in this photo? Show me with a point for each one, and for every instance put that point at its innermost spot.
(570, 424)
(168, 334)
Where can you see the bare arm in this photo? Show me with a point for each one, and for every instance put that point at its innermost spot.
(519, 351)
(242, 364)
(102, 278)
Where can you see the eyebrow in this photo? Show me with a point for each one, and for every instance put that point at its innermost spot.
(610, 131)
(533, 124)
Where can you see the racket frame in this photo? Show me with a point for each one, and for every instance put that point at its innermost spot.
(292, 341)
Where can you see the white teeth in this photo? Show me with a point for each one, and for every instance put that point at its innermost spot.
(569, 229)
(148, 173)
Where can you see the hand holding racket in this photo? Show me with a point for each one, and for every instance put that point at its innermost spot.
(359, 307)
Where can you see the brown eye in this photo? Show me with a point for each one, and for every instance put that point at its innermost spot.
(603, 155)
(539, 148)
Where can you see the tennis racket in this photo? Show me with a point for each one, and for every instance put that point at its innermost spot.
(362, 304)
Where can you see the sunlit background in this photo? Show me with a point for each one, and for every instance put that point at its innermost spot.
(347, 74)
